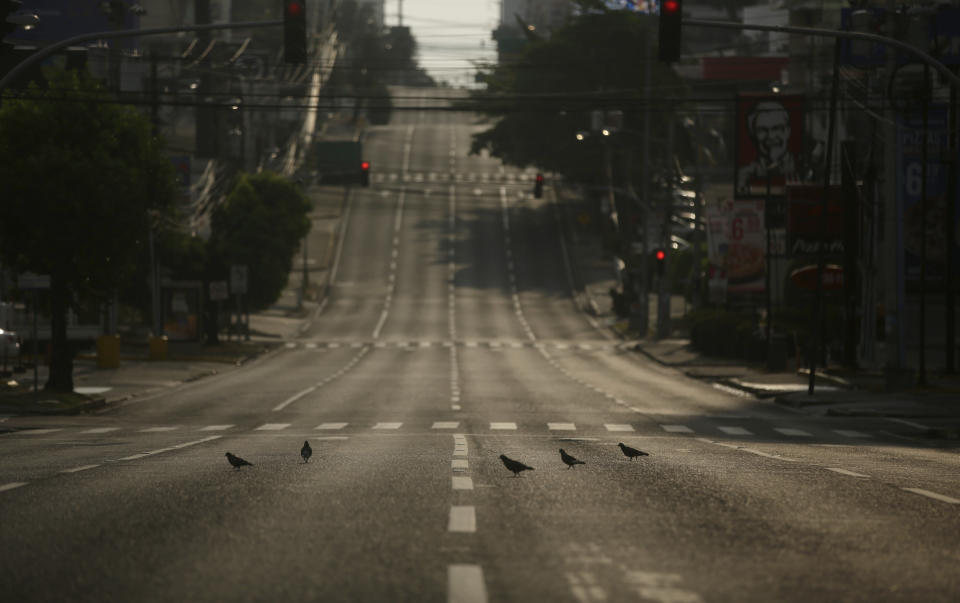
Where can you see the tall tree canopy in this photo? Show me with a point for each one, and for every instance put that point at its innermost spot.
(82, 177)
(260, 225)
(540, 99)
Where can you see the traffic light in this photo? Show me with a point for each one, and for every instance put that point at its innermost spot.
(671, 17)
(660, 256)
(294, 31)
(364, 173)
(538, 186)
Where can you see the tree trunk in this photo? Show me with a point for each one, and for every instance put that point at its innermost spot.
(61, 352)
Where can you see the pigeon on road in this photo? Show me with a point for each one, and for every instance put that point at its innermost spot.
(236, 461)
(569, 460)
(515, 466)
(631, 452)
(306, 452)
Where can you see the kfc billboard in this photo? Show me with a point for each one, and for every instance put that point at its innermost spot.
(770, 131)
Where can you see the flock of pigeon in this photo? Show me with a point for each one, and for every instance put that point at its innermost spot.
(568, 459)
(514, 466)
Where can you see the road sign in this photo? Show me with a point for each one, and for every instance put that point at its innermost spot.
(219, 290)
(29, 281)
(238, 278)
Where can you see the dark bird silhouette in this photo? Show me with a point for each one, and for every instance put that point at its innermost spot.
(236, 461)
(515, 466)
(306, 452)
(631, 452)
(569, 460)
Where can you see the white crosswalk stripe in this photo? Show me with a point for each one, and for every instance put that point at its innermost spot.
(272, 426)
(561, 427)
(331, 426)
(795, 433)
(158, 429)
(388, 425)
(849, 433)
(618, 427)
(731, 430)
(216, 427)
(503, 425)
(676, 429)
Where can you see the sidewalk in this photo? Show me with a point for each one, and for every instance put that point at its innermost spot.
(836, 392)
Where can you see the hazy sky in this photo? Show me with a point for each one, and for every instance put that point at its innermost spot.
(451, 34)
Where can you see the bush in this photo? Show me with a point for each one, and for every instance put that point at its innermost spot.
(719, 332)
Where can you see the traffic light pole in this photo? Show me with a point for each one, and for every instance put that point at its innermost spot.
(56, 47)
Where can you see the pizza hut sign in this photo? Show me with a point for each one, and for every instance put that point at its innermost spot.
(805, 226)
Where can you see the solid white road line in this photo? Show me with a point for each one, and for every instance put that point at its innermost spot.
(846, 472)
(294, 398)
(735, 430)
(465, 584)
(908, 423)
(561, 427)
(387, 426)
(38, 431)
(934, 495)
(216, 427)
(331, 426)
(462, 482)
(446, 424)
(676, 429)
(462, 519)
(618, 427)
(80, 468)
(272, 426)
(503, 425)
(789, 431)
(11, 486)
(100, 430)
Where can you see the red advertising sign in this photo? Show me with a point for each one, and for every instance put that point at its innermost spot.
(806, 277)
(770, 130)
(805, 225)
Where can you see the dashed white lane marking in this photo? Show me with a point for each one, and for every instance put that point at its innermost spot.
(850, 433)
(934, 495)
(100, 430)
(561, 427)
(795, 433)
(750, 450)
(908, 423)
(331, 426)
(618, 427)
(734, 430)
(11, 486)
(80, 468)
(463, 519)
(459, 464)
(446, 424)
(217, 427)
(846, 472)
(465, 584)
(387, 426)
(676, 429)
(157, 429)
(503, 425)
(38, 431)
(134, 457)
(294, 398)
(462, 482)
(272, 426)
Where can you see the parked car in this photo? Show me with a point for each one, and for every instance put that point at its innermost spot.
(9, 346)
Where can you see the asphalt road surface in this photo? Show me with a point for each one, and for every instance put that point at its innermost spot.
(450, 337)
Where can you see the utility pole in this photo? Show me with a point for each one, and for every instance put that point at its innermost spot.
(640, 319)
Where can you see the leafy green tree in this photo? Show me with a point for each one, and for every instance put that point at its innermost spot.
(539, 101)
(82, 178)
(260, 225)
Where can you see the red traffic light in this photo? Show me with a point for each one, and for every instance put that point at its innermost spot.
(660, 255)
(670, 7)
(294, 8)
(540, 178)
(364, 165)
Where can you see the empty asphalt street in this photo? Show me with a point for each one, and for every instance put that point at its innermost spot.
(451, 335)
